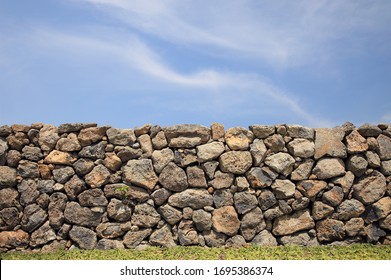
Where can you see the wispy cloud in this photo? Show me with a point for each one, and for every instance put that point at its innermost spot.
(140, 57)
(305, 34)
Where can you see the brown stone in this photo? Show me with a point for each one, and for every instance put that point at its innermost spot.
(140, 173)
(13, 239)
(311, 188)
(330, 230)
(196, 177)
(384, 147)
(173, 178)
(328, 142)
(370, 188)
(8, 176)
(238, 138)
(225, 220)
(88, 136)
(236, 162)
(288, 224)
(58, 157)
(356, 143)
(98, 177)
(209, 151)
(327, 168)
(222, 180)
(321, 210)
(217, 131)
(112, 162)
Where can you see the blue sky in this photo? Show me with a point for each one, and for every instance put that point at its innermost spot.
(126, 63)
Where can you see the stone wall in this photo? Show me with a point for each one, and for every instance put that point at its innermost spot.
(84, 186)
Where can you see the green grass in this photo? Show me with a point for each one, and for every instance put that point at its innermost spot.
(353, 252)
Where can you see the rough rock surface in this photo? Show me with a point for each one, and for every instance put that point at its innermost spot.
(87, 187)
(225, 220)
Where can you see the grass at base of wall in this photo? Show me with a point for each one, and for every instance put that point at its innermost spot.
(353, 252)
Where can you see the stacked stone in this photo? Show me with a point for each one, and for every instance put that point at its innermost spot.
(84, 186)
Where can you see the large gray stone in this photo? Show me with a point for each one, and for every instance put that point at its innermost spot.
(357, 165)
(109, 244)
(252, 223)
(9, 218)
(369, 130)
(118, 211)
(202, 220)
(162, 237)
(30, 153)
(28, 169)
(348, 209)
(28, 192)
(56, 209)
(145, 215)
(109, 230)
(327, 168)
(94, 152)
(334, 196)
(161, 158)
(283, 189)
(122, 137)
(258, 151)
(264, 238)
(43, 235)
(321, 210)
(210, 151)
(222, 180)
(281, 163)
(298, 131)
(244, 202)
(262, 131)
(133, 238)
(173, 178)
(370, 188)
(328, 142)
(92, 198)
(141, 173)
(187, 234)
(261, 177)
(82, 216)
(74, 186)
(85, 238)
(298, 239)
(222, 198)
(33, 217)
(379, 210)
(384, 147)
(299, 147)
(186, 135)
(236, 162)
(303, 171)
(63, 174)
(170, 214)
(194, 198)
(69, 144)
(266, 199)
(48, 137)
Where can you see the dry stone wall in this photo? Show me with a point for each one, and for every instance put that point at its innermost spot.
(89, 187)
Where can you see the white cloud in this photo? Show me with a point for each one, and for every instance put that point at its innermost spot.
(140, 57)
(305, 34)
